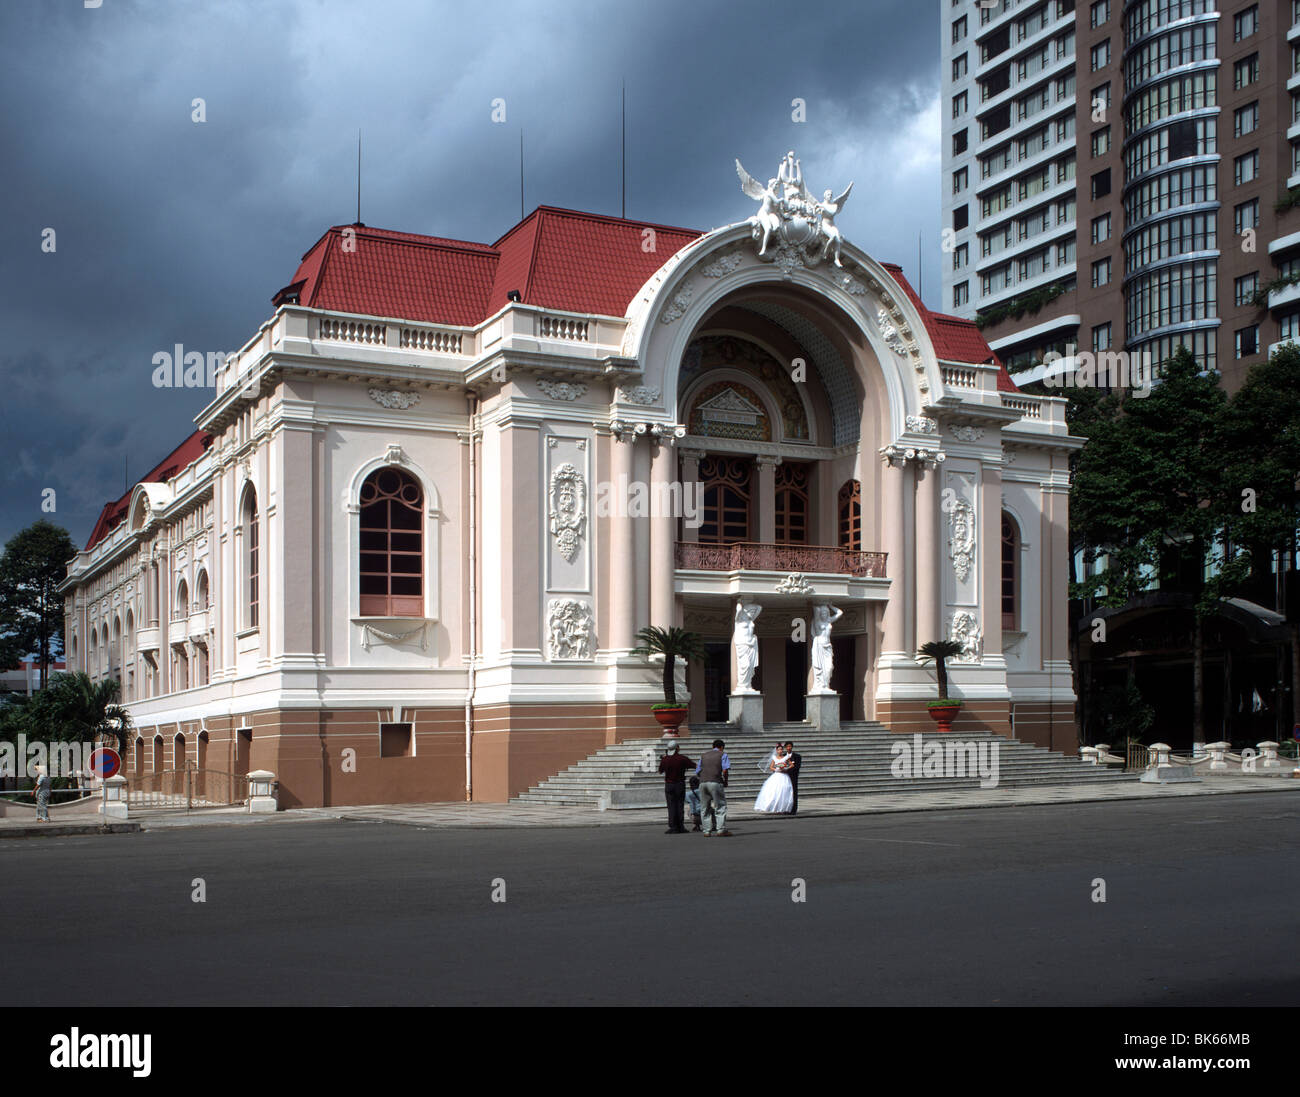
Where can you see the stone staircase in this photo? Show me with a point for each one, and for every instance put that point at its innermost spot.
(855, 760)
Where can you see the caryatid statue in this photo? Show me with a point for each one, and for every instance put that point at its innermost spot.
(745, 642)
(823, 658)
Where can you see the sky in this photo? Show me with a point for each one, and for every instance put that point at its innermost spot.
(168, 229)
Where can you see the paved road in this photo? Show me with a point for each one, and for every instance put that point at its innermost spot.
(960, 907)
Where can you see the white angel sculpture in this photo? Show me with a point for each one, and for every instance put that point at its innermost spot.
(768, 218)
(827, 208)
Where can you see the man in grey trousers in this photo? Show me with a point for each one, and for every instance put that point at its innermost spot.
(712, 771)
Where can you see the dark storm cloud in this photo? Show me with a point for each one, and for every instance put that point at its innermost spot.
(171, 232)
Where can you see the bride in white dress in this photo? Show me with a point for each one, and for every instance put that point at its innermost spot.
(776, 797)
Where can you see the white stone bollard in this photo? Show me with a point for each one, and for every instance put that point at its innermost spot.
(261, 793)
(1217, 751)
(1268, 749)
(115, 798)
(1090, 755)
(1159, 755)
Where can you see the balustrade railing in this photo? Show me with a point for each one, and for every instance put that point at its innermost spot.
(750, 556)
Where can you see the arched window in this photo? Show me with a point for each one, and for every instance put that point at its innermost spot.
(201, 593)
(158, 760)
(252, 558)
(727, 493)
(182, 601)
(1010, 578)
(115, 652)
(178, 751)
(392, 545)
(92, 654)
(793, 502)
(850, 513)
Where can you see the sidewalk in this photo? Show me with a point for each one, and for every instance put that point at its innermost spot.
(489, 816)
(511, 815)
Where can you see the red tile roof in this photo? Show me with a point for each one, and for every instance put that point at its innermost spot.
(582, 262)
(560, 259)
(115, 512)
(954, 339)
(556, 258)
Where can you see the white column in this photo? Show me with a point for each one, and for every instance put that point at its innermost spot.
(663, 531)
(928, 578)
(897, 478)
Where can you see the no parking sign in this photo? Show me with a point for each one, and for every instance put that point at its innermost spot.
(105, 762)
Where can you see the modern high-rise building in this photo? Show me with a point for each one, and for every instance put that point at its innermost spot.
(1009, 151)
(1181, 119)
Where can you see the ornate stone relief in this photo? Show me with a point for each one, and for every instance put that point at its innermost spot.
(568, 505)
(723, 265)
(848, 282)
(961, 538)
(640, 394)
(392, 398)
(568, 628)
(677, 306)
(968, 434)
(922, 425)
(794, 583)
(889, 333)
(965, 630)
(562, 390)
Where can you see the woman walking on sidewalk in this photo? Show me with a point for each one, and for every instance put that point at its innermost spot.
(42, 793)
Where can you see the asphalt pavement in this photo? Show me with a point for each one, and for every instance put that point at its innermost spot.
(976, 907)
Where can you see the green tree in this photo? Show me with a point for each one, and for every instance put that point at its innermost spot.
(671, 643)
(34, 563)
(1263, 460)
(1150, 493)
(940, 651)
(76, 707)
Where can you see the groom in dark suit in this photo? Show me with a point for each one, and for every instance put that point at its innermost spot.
(793, 773)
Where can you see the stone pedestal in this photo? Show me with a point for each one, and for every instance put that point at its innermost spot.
(262, 799)
(115, 802)
(823, 711)
(745, 710)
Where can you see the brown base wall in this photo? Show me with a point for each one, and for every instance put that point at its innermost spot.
(1043, 725)
(910, 717)
(332, 758)
(1050, 726)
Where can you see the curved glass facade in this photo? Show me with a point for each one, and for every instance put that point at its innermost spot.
(1170, 167)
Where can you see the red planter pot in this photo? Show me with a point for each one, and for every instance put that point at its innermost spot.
(944, 715)
(670, 718)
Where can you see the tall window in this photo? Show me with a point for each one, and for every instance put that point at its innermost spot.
(1009, 554)
(793, 505)
(727, 491)
(392, 545)
(850, 511)
(251, 559)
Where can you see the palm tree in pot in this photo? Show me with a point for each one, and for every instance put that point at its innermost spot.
(672, 644)
(944, 710)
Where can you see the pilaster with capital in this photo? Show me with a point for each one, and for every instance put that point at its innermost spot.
(622, 578)
(929, 585)
(990, 511)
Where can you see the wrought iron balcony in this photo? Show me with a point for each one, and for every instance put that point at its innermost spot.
(807, 559)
